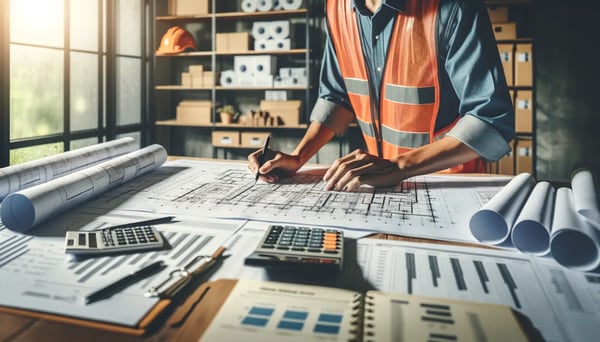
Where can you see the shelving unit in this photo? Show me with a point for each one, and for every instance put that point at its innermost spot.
(518, 60)
(227, 17)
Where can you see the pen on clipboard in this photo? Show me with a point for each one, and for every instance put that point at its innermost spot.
(117, 286)
(261, 158)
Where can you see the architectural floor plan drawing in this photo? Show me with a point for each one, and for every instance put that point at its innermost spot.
(433, 206)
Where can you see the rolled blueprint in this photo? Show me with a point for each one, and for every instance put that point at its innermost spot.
(22, 210)
(531, 232)
(25, 175)
(574, 242)
(493, 222)
(249, 5)
(264, 5)
(290, 4)
(584, 195)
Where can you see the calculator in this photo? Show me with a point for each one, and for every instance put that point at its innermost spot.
(113, 240)
(299, 248)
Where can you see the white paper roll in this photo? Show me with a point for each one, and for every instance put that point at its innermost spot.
(531, 232)
(279, 29)
(290, 4)
(249, 5)
(261, 29)
(277, 5)
(243, 64)
(264, 5)
(262, 44)
(264, 64)
(228, 78)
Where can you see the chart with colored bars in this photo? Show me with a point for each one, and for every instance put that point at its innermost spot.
(427, 206)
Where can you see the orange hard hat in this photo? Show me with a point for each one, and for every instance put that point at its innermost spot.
(176, 40)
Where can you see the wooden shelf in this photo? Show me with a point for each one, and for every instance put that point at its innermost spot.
(175, 123)
(237, 53)
(233, 15)
(179, 87)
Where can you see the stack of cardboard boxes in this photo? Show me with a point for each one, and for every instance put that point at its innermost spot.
(517, 61)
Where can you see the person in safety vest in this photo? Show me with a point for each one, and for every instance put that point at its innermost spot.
(424, 81)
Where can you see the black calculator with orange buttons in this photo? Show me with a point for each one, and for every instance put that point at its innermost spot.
(300, 248)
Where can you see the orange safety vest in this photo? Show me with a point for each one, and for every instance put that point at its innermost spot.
(410, 95)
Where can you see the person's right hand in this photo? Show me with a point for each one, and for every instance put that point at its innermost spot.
(276, 165)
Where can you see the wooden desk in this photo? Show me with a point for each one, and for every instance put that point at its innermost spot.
(17, 328)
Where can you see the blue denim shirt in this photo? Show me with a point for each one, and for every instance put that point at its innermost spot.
(472, 82)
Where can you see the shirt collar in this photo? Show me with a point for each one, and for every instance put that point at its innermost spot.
(398, 5)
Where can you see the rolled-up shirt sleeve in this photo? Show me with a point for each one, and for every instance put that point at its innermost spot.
(333, 107)
(475, 72)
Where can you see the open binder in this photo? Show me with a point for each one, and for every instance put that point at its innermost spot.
(269, 311)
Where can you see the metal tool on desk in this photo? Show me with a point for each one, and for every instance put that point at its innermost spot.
(185, 274)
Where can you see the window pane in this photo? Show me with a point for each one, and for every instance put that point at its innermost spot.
(75, 144)
(84, 91)
(129, 37)
(129, 89)
(84, 25)
(36, 91)
(38, 22)
(25, 154)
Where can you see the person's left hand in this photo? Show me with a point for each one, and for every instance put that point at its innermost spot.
(360, 168)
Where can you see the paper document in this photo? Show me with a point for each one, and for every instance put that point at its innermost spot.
(22, 210)
(36, 274)
(25, 175)
(561, 303)
(431, 206)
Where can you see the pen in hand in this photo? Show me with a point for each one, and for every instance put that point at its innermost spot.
(261, 158)
(120, 284)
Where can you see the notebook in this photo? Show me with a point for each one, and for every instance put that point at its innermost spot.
(274, 311)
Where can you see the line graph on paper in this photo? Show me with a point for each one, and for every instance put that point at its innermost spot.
(427, 206)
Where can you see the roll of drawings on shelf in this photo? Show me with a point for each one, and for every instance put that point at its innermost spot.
(22, 210)
(249, 5)
(574, 242)
(493, 222)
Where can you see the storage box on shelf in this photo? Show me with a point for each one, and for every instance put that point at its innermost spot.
(512, 26)
(247, 52)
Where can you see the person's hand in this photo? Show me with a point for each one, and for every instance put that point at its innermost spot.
(360, 168)
(276, 165)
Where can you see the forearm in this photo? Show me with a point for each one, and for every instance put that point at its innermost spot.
(316, 136)
(442, 154)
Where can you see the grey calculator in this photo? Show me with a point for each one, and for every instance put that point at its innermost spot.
(113, 240)
(299, 248)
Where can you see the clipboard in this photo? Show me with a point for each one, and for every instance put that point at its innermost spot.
(138, 330)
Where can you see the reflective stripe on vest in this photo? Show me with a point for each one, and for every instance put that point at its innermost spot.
(410, 95)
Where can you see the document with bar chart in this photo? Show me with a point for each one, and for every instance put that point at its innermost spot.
(431, 206)
(36, 274)
(561, 303)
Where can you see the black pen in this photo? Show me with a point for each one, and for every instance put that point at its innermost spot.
(261, 158)
(119, 285)
(143, 223)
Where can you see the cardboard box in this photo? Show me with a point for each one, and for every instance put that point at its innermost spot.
(498, 13)
(196, 70)
(524, 111)
(507, 57)
(505, 31)
(188, 7)
(234, 41)
(524, 152)
(208, 78)
(194, 112)
(506, 165)
(226, 138)
(287, 113)
(186, 79)
(254, 139)
(523, 65)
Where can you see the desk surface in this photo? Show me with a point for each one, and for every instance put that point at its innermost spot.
(17, 328)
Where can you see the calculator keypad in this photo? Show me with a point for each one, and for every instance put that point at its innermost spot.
(299, 248)
(111, 240)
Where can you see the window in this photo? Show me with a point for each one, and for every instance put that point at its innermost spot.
(77, 75)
